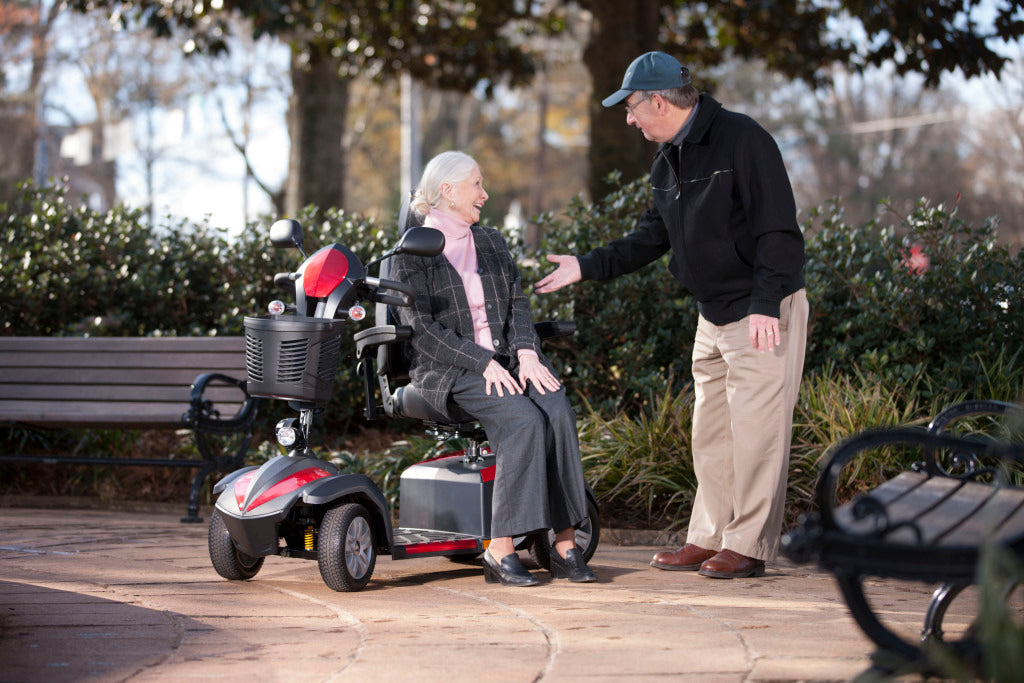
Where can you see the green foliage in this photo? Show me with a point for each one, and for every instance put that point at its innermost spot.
(635, 332)
(641, 467)
(872, 309)
(70, 270)
(888, 344)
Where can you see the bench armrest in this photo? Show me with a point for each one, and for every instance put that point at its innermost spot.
(201, 415)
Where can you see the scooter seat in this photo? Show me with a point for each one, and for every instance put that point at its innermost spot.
(409, 402)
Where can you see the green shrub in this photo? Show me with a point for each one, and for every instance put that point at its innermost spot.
(70, 270)
(872, 309)
(634, 332)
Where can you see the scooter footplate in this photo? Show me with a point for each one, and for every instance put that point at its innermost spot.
(426, 543)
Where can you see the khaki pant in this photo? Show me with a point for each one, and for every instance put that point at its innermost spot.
(742, 429)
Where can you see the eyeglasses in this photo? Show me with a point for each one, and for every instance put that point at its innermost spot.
(631, 107)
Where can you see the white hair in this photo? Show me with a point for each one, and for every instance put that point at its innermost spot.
(447, 167)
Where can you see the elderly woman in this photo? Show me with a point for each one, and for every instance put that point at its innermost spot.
(473, 345)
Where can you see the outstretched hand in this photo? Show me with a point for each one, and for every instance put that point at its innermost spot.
(567, 272)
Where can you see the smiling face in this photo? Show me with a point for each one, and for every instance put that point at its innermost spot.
(468, 197)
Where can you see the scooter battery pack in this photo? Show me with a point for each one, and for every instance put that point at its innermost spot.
(448, 494)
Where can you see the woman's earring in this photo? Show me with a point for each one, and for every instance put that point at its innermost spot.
(451, 204)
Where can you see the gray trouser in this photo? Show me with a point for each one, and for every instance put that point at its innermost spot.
(539, 479)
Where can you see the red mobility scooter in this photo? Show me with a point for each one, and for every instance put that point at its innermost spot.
(298, 505)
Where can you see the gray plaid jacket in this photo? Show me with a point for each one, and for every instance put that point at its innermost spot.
(442, 330)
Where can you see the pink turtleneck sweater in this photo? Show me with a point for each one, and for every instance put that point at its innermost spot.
(460, 250)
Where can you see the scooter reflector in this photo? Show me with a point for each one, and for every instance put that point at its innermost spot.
(286, 486)
(325, 270)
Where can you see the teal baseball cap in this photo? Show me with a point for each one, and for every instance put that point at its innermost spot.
(649, 71)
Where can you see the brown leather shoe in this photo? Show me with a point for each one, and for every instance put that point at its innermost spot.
(686, 559)
(731, 565)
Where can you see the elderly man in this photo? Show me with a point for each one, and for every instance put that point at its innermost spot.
(723, 205)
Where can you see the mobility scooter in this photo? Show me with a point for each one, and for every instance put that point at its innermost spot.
(298, 505)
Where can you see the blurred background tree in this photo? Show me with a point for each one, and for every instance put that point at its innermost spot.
(492, 49)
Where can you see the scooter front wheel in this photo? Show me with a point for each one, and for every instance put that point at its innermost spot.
(229, 561)
(345, 549)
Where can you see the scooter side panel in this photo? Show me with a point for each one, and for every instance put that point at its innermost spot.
(448, 494)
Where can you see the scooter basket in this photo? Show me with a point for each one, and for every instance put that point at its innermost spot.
(294, 358)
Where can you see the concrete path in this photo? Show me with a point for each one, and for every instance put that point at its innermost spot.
(116, 596)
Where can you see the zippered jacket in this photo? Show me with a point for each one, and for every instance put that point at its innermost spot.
(724, 205)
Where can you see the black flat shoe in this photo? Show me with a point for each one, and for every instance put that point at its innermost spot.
(571, 566)
(509, 572)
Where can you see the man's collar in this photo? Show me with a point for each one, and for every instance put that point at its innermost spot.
(684, 130)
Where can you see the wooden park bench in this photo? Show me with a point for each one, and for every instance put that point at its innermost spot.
(929, 524)
(132, 383)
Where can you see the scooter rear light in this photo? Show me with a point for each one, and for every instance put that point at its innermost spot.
(325, 270)
(286, 486)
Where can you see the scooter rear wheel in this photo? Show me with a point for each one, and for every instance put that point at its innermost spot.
(345, 550)
(229, 561)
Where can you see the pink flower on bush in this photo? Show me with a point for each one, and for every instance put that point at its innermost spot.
(915, 260)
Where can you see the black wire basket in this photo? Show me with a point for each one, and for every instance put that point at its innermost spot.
(294, 358)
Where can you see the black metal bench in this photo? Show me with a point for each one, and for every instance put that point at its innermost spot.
(929, 524)
(131, 383)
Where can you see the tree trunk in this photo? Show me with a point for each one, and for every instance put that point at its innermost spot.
(317, 112)
(621, 32)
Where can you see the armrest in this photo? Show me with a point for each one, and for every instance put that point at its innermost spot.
(548, 329)
(201, 415)
(373, 337)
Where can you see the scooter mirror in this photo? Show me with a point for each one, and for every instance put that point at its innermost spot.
(286, 233)
(285, 281)
(420, 241)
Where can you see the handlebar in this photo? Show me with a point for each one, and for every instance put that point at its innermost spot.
(407, 295)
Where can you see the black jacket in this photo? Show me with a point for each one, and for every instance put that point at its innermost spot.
(724, 205)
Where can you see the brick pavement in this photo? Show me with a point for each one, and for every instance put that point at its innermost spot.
(115, 596)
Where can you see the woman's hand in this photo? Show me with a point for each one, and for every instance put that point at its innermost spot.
(498, 377)
(532, 370)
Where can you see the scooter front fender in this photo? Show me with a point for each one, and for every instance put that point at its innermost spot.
(359, 488)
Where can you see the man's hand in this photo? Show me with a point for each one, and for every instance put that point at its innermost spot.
(567, 272)
(764, 332)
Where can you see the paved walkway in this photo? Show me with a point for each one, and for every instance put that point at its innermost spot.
(116, 596)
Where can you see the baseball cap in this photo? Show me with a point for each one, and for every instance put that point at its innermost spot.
(649, 71)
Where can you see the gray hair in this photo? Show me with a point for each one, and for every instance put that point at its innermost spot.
(683, 97)
(447, 167)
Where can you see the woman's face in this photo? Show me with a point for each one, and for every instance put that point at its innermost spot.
(468, 196)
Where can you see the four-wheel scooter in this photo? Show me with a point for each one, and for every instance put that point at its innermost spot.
(298, 505)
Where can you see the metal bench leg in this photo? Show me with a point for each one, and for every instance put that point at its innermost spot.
(942, 598)
(899, 651)
(193, 494)
(213, 463)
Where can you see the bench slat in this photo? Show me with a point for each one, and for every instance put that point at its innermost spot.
(994, 509)
(112, 360)
(114, 381)
(119, 344)
(178, 393)
(947, 512)
(179, 376)
(108, 414)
